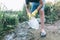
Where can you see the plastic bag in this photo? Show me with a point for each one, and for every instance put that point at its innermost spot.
(33, 23)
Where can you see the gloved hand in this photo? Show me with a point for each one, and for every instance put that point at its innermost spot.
(29, 15)
(34, 13)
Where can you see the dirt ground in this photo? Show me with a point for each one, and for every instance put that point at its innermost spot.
(53, 32)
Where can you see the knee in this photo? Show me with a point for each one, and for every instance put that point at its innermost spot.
(41, 12)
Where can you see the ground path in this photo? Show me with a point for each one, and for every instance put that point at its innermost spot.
(22, 32)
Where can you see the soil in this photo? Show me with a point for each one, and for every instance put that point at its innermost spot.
(22, 31)
(53, 32)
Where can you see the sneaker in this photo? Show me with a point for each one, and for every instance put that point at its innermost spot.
(43, 34)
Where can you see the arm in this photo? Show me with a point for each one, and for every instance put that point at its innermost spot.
(27, 6)
(40, 6)
(27, 9)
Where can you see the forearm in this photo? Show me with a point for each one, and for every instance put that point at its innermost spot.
(41, 5)
(27, 9)
(28, 12)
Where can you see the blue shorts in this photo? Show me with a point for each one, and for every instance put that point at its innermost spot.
(35, 5)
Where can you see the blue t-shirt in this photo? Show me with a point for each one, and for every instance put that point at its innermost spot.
(27, 1)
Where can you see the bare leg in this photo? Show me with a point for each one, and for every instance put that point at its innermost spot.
(42, 19)
(42, 22)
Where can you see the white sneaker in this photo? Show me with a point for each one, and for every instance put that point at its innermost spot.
(43, 34)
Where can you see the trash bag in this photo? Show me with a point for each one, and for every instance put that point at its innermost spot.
(33, 23)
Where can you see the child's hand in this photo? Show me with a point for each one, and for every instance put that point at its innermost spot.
(35, 12)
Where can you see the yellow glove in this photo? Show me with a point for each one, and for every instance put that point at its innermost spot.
(35, 12)
(29, 15)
